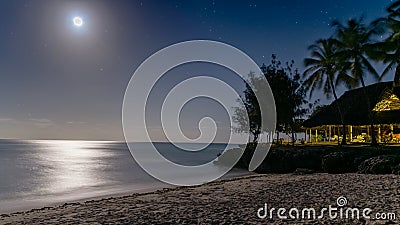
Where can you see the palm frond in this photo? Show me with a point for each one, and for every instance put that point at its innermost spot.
(347, 80)
(388, 68)
(311, 61)
(369, 67)
(393, 7)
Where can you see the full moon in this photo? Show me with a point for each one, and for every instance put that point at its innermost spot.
(78, 21)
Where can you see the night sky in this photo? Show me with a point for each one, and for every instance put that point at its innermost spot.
(60, 81)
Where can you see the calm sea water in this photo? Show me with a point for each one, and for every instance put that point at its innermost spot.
(38, 173)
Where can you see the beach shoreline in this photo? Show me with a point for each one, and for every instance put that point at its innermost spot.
(13, 206)
(38, 204)
(234, 200)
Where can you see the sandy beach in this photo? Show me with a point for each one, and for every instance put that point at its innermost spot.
(234, 201)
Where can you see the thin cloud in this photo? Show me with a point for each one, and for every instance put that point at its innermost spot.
(40, 120)
(6, 119)
(76, 122)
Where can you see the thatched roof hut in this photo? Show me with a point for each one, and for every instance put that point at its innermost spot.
(384, 100)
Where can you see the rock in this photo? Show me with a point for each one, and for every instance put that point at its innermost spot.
(302, 171)
(396, 170)
(338, 162)
(384, 164)
(229, 156)
(286, 159)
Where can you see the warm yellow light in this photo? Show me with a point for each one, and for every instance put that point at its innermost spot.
(387, 104)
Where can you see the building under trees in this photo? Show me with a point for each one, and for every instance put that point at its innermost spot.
(384, 98)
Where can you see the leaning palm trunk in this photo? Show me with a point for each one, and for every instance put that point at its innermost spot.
(370, 115)
(396, 82)
(355, 39)
(344, 142)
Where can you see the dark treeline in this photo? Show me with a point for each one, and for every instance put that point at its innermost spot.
(346, 58)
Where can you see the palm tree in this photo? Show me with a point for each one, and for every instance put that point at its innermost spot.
(355, 41)
(390, 51)
(324, 72)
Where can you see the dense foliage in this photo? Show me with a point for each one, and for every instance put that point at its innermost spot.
(290, 101)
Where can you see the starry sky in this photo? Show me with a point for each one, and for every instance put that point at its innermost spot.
(60, 81)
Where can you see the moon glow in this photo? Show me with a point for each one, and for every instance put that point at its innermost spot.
(78, 21)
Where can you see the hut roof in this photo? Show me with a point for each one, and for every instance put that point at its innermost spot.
(383, 98)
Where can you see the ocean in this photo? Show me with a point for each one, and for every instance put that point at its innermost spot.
(38, 173)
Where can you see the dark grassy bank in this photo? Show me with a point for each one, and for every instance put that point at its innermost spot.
(324, 158)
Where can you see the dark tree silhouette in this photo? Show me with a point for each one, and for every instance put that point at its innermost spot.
(355, 44)
(252, 121)
(389, 51)
(324, 71)
(289, 96)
